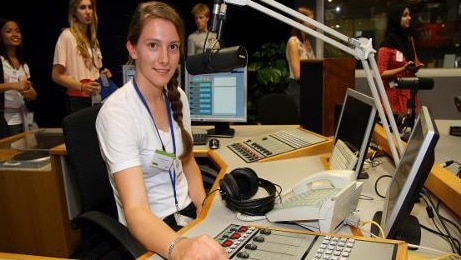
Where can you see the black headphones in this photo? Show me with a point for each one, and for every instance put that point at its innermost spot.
(238, 186)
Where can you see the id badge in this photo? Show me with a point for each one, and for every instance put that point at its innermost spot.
(182, 220)
(14, 76)
(178, 167)
(398, 56)
(163, 160)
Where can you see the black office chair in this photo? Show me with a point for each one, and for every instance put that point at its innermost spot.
(277, 109)
(102, 235)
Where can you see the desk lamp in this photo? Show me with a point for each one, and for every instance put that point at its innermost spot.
(361, 49)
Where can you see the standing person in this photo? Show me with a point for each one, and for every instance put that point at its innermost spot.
(397, 57)
(201, 39)
(15, 85)
(298, 48)
(144, 131)
(77, 61)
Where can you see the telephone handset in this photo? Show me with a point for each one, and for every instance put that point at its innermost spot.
(326, 197)
(323, 180)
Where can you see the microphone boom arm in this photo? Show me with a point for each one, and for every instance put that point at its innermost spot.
(361, 49)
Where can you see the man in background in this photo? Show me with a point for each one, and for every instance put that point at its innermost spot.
(201, 39)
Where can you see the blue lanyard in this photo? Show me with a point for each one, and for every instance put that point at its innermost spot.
(171, 172)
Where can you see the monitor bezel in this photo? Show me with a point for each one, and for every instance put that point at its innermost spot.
(420, 169)
(351, 93)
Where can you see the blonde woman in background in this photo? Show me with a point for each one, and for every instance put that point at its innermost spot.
(298, 48)
(77, 62)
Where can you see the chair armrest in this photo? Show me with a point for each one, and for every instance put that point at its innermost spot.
(116, 229)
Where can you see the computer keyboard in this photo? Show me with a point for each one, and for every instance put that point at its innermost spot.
(342, 157)
(199, 137)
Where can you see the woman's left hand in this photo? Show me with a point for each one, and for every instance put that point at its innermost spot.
(106, 72)
(29, 92)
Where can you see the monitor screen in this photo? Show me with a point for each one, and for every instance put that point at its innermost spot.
(356, 124)
(408, 179)
(219, 98)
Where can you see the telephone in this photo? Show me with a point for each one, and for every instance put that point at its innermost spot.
(320, 202)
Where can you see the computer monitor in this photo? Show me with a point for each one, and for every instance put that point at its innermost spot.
(218, 98)
(407, 182)
(355, 125)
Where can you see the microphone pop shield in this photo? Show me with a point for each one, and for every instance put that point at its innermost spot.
(217, 60)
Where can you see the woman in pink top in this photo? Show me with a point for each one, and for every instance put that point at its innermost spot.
(77, 61)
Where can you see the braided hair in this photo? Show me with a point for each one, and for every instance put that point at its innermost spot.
(152, 10)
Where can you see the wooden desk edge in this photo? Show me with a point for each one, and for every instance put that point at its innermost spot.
(440, 182)
(27, 257)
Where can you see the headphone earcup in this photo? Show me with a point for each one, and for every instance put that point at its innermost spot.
(239, 185)
(228, 187)
(247, 181)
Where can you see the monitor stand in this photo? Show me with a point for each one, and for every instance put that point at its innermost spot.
(221, 130)
(409, 231)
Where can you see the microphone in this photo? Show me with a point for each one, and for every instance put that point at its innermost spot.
(413, 83)
(217, 60)
(214, 16)
(222, 19)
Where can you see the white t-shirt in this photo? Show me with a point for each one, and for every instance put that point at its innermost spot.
(67, 55)
(303, 53)
(14, 101)
(128, 138)
(196, 40)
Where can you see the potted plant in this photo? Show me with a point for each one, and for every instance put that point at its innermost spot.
(267, 73)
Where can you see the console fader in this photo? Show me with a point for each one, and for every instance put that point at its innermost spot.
(248, 242)
(255, 149)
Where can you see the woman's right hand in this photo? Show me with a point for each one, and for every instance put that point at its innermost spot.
(21, 85)
(201, 247)
(91, 87)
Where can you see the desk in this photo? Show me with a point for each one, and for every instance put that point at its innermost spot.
(33, 218)
(285, 172)
(215, 215)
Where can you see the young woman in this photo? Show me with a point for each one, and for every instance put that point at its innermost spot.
(298, 48)
(15, 85)
(144, 130)
(77, 61)
(397, 56)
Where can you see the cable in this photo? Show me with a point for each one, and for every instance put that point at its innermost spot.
(448, 163)
(381, 231)
(454, 243)
(376, 184)
(447, 256)
(437, 233)
(208, 195)
(444, 256)
(452, 239)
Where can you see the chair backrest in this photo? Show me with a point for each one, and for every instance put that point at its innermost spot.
(86, 163)
(277, 109)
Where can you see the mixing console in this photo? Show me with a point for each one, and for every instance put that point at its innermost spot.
(252, 150)
(248, 242)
